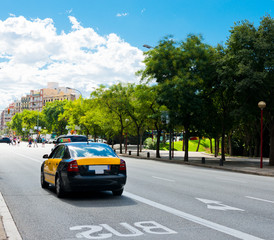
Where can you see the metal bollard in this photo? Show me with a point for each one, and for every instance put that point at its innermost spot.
(203, 160)
(129, 152)
(221, 162)
(148, 154)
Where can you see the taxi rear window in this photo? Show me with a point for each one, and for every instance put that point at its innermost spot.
(91, 151)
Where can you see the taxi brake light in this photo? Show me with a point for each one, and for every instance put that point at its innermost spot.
(122, 165)
(73, 166)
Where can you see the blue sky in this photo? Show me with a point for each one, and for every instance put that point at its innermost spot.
(145, 21)
(85, 43)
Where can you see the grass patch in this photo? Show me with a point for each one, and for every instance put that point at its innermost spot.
(204, 145)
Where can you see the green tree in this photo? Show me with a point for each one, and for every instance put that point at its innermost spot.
(113, 102)
(16, 124)
(139, 104)
(53, 116)
(181, 70)
(250, 53)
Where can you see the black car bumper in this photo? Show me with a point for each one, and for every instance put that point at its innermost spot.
(93, 183)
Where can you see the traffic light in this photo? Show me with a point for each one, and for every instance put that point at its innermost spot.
(8, 111)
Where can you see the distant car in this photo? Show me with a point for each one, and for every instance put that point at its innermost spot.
(101, 140)
(70, 138)
(83, 166)
(5, 140)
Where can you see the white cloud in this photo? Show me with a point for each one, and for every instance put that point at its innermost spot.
(121, 14)
(32, 54)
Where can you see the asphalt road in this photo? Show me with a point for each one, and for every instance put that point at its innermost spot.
(161, 201)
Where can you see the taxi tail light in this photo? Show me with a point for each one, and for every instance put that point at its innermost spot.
(122, 165)
(73, 166)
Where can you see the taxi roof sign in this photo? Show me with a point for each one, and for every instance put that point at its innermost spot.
(64, 140)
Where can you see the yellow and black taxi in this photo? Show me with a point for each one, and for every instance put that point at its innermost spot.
(78, 166)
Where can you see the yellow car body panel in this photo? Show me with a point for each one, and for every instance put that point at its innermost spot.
(98, 161)
(50, 168)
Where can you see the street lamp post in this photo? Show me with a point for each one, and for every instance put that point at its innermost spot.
(77, 91)
(261, 105)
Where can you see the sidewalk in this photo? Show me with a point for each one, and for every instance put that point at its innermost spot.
(235, 164)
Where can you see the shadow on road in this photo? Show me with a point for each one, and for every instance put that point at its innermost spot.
(93, 199)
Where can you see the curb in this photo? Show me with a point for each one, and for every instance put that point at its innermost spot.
(3, 235)
(8, 229)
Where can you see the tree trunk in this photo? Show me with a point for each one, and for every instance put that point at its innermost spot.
(230, 145)
(197, 150)
(138, 141)
(223, 145)
(158, 144)
(170, 139)
(210, 140)
(271, 151)
(141, 142)
(121, 143)
(183, 148)
(216, 146)
(121, 140)
(186, 144)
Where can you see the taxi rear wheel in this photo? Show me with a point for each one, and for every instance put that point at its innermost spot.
(44, 184)
(59, 188)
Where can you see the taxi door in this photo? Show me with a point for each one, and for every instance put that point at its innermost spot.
(54, 162)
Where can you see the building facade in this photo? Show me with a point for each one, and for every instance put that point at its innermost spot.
(36, 100)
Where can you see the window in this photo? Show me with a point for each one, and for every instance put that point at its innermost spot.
(91, 151)
(59, 153)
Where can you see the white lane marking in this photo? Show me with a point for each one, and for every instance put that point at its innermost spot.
(217, 205)
(32, 159)
(9, 225)
(230, 180)
(192, 218)
(165, 179)
(260, 199)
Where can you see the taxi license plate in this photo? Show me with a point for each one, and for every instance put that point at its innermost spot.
(99, 169)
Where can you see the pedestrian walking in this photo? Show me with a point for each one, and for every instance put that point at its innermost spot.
(43, 141)
(35, 142)
(30, 142)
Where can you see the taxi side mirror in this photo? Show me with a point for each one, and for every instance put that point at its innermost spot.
(46, 156)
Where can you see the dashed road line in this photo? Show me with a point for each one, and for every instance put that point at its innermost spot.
(260, 199)
(164, 179)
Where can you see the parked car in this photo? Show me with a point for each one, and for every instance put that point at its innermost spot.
(83, 166)
(5, 140)
(101, 140)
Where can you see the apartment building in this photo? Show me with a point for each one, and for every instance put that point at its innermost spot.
(36, 100)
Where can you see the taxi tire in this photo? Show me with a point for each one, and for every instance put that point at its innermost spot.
(118, 192)
(59, 188)
(44, 184)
